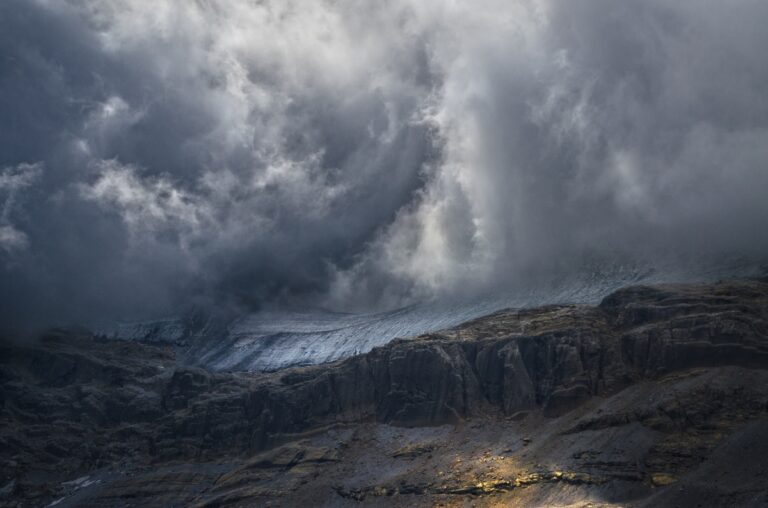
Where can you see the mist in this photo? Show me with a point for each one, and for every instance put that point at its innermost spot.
(365, 155)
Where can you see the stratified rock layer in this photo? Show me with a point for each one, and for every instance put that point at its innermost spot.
(684, 367)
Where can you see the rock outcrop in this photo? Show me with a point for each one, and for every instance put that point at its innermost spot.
(74, 404)
(553, 358)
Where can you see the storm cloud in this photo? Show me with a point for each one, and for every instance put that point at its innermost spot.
(163, 154)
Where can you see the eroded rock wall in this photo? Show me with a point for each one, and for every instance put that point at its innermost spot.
(128, 398)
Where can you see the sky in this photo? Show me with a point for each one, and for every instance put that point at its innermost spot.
(162, 154)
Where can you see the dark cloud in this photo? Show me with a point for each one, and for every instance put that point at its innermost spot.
(586, 133)
(157, 155)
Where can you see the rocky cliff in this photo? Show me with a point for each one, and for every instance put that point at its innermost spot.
(639, 400)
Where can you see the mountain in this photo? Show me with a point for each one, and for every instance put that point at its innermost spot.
(657, 396)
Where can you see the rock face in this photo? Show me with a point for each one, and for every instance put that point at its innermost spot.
(74, 406)
(552, 357)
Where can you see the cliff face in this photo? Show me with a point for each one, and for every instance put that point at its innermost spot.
(685, 366)
(552, 357)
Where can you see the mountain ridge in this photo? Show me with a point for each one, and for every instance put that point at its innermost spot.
(685, 367)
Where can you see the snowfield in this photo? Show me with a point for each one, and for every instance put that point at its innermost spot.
(275, 339)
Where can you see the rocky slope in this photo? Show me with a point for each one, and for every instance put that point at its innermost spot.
(656, 397)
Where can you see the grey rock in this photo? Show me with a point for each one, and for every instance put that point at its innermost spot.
(72, 403)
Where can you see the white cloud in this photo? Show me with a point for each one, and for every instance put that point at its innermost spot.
(13, 181)
(148, 206)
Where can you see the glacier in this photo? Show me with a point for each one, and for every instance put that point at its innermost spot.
(270, 340)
